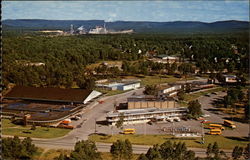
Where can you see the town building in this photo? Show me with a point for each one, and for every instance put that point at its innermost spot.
(134, 116)
(163, 58)
(230, 78)
(167, 57)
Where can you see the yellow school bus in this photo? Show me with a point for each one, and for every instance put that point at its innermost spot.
(216, 126)
(129, 131)
(215, 132)
(229, 124)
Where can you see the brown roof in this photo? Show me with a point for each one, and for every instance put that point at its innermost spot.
(48, 94)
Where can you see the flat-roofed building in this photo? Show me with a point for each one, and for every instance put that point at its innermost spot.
(52, 94)
(45, 105)
(143, 101)
(169, 90)
(144, 115)
(123, 86)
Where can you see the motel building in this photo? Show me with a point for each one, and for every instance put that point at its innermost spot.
(134, 116)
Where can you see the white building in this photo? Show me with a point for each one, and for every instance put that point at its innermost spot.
(123, 86)
(129, 86)
(230, 78)
(134, 116)
(169, 90)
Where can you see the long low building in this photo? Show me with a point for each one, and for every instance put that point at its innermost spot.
(120, 85)
(80, 96)
(45, 105)
(137, 102)
(169, 90)
(133, 116)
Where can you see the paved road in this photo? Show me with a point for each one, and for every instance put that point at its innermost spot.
(105, 147)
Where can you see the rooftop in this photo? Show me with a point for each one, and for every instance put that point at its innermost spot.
(48, 94)
(143, 111)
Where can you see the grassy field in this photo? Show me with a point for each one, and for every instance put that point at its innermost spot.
(110, 93)
(52, 153)
(223, 142)
(94, 65)
(190, 97)
(9, 128)
(158, 79)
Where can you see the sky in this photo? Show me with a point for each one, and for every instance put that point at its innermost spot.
(159, 11)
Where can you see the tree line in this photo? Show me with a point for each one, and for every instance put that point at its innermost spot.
(66, 57)
(16, 149)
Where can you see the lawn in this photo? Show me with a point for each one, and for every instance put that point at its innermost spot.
(223, 142)
(193, 96)
(52, 153)
(159, 79)
(109, 92)
(40, 132)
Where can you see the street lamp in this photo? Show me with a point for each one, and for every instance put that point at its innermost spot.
(202, 134)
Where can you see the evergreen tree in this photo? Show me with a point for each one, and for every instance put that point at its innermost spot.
(237, 152)
(194, 109)
(85, 150)
(121, 150)
(153, 153)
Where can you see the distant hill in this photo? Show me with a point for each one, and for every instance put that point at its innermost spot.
(137, 26)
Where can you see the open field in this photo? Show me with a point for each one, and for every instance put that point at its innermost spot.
(9, 128)
(159, 79)
(223, 142)
(94, 65)
(51, 154)
(193, 96)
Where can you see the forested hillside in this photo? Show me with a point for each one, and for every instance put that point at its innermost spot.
(66, 57)
(177, 27)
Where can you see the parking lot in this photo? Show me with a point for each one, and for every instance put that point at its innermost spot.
(193, 126)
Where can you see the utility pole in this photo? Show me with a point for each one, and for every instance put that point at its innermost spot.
(112, 130)
(145, 128)
(202, 134)
(95, 126)
(173, 127)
